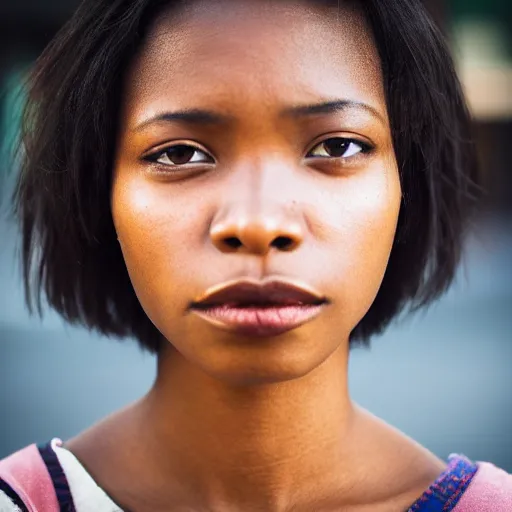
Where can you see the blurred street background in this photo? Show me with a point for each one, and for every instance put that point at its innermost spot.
(443, 376)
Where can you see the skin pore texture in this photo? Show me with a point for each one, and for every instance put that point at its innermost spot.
(239, 423)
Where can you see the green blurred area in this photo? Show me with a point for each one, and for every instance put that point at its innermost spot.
(10, 114)
(496, 15)
(480, 8)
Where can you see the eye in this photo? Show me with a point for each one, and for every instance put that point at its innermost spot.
(338, 147)
(179, 155)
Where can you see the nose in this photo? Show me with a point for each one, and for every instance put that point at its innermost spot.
(257, 232)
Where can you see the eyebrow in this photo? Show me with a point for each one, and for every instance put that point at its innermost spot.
(208, 117)
(190, 116)
(333, 107)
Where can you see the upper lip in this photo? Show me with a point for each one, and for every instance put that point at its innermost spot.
(249, 292)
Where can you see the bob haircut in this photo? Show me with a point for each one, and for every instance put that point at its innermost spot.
(68, 140)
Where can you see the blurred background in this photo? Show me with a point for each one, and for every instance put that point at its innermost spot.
(443, 376)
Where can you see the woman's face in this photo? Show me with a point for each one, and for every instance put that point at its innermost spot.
(287, 139)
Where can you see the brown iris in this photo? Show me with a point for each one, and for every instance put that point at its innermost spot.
(180, 155)
(336, 147)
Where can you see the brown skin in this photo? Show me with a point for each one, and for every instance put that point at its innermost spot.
(238, 423)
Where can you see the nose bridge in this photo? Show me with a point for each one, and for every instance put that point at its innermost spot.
(267, 197)
(258, 210)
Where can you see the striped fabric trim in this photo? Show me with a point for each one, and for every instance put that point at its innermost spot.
(60, 482)
(447, 490)
(12, 495)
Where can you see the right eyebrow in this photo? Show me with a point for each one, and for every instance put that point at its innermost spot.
(190, 116)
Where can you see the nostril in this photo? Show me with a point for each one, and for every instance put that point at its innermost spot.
(233, 242)
(282, 243)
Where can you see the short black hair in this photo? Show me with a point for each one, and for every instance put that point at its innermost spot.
(69, 244)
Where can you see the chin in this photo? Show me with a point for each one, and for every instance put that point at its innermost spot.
(240, 361)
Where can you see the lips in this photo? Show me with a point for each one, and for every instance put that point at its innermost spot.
(259, 309)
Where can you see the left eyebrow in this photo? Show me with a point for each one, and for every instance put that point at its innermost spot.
(333, 107)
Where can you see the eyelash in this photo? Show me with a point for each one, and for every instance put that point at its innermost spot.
(347, 143)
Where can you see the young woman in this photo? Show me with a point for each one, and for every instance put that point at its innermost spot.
(248, 188)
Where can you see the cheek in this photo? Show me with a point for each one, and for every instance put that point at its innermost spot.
(154, 230)
(365, 215)
(372, 204)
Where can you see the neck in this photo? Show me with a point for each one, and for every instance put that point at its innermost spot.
(295, 445)
(254, 444)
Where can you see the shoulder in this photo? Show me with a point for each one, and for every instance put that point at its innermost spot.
(49, 478)
(466, 486)
(28, 479)
(489, 491)
(24, 481)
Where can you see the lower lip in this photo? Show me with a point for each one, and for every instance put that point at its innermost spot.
(260, 321)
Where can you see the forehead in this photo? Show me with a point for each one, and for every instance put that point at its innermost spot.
(238, 53)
